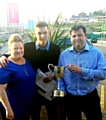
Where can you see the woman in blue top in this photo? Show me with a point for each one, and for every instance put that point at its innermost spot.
(17, 83)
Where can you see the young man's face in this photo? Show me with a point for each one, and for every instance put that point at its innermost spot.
(42, 34)
(78, 39)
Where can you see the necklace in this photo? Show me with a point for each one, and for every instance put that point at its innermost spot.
(24, 68)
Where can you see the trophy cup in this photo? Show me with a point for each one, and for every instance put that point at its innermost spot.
(58, 73)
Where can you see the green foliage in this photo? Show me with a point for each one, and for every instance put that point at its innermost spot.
(3, 41)
(98, 13)
(31, 35)
(57, 31)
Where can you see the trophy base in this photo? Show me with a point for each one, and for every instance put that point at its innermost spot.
(58, 93)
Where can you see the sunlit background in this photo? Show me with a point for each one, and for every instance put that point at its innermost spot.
(30, 9)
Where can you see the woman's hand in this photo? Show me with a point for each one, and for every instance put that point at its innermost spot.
(4, 100)
(9, 114)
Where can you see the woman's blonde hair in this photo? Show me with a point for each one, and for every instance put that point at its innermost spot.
(14, 38)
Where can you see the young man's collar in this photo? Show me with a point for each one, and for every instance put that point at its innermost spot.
(46, 48)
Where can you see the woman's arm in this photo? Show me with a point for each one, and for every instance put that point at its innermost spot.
(4, 100)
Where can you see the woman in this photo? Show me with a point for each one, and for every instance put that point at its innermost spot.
(17, 82)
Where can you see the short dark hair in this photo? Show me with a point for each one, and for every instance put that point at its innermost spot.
(77, 27)
(41, 24)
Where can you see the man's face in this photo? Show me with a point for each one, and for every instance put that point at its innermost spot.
(78, 39)
(42, 34)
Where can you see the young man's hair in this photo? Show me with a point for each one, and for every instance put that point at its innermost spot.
(41, 24)
(77, 27)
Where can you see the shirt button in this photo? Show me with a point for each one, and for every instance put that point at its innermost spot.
(78, 91)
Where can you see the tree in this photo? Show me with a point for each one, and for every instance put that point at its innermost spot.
(98, 13)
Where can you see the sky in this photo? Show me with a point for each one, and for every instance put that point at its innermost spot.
(30, 9)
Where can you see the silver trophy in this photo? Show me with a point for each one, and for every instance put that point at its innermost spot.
(58, 73)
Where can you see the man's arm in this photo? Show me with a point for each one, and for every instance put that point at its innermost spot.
(4, 60)
(6, 55)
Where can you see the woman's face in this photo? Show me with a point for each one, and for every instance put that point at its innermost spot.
(17, 50)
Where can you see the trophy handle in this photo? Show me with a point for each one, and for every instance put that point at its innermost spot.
(49, 67)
